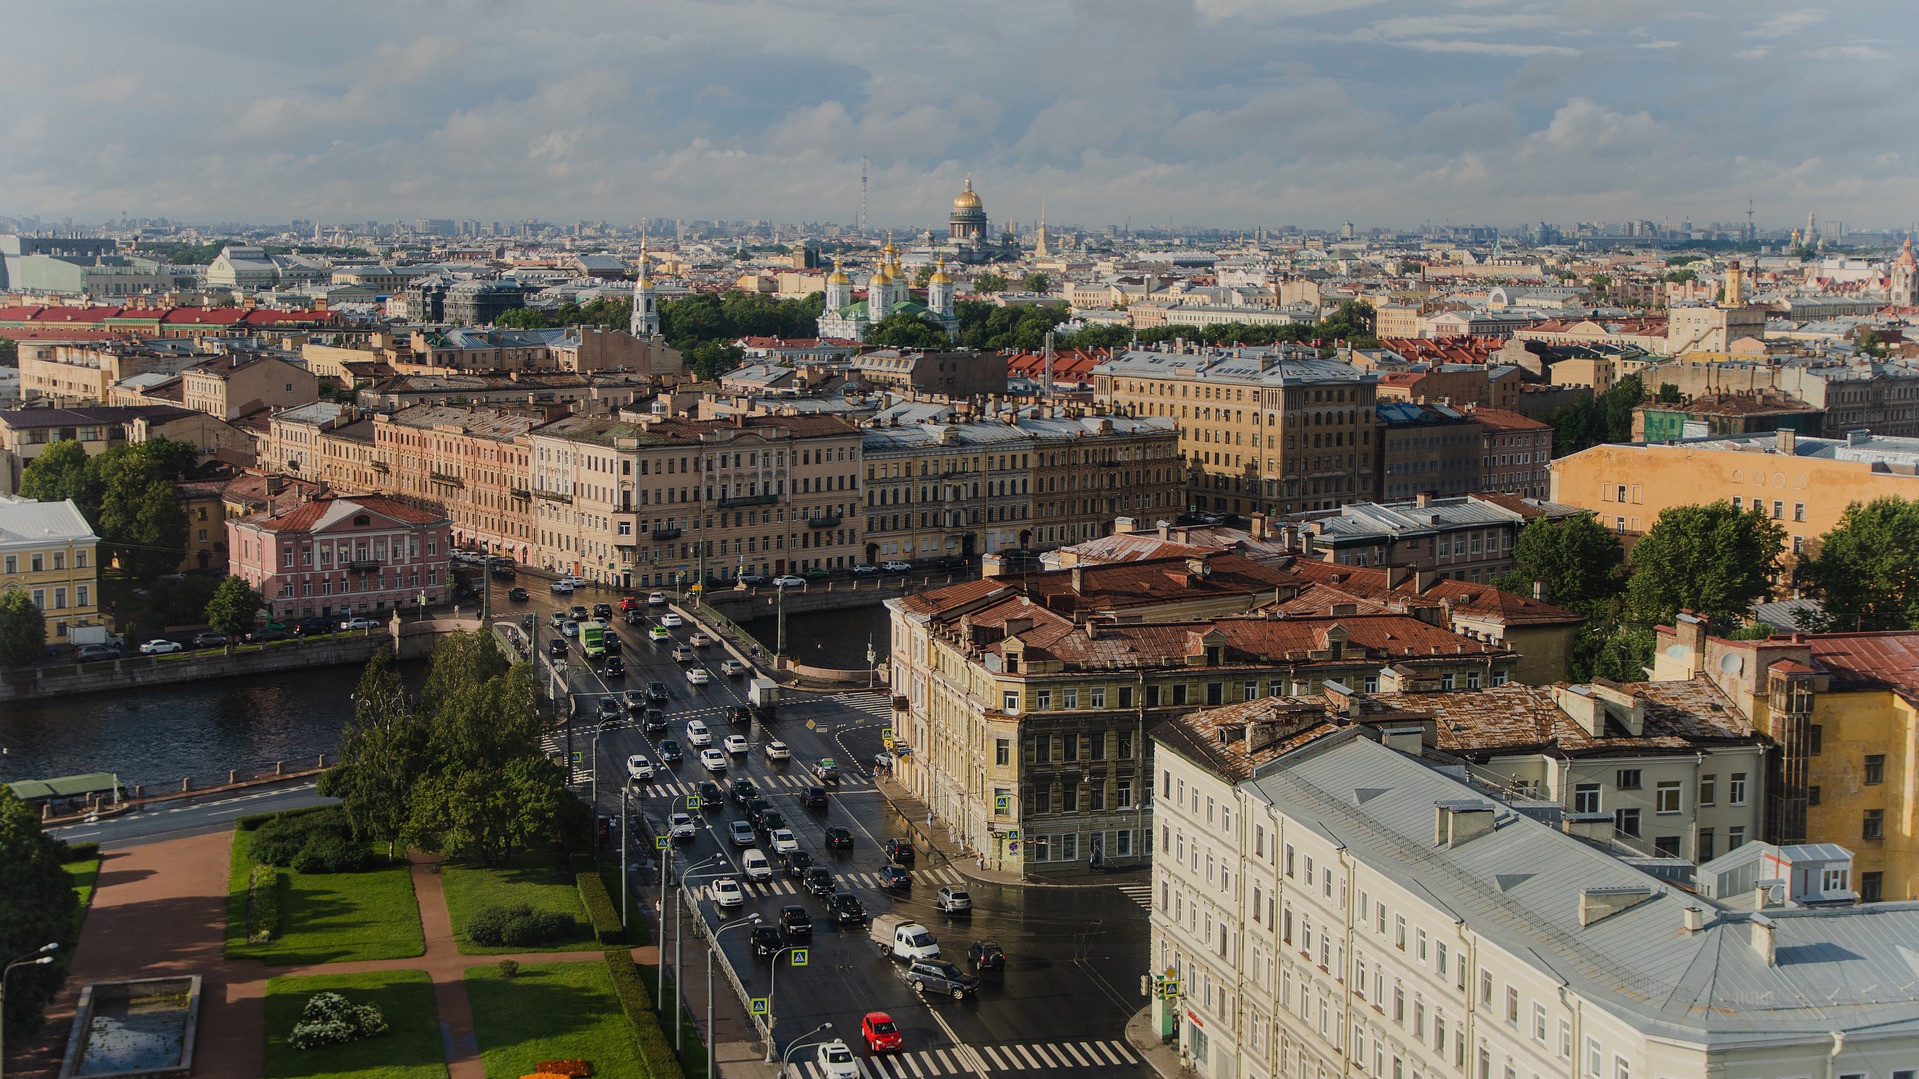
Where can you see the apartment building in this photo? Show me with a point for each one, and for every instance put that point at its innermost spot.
(657, 502)
(572, 348)
(1461, 539)
(233, 384)
(1325, 906)
(1272, 429)
(82, 374)
(1425, 449)
(26, 433)
(339, 557)
(471, 463)
(1860, 394)
(1026, 705)
(326, 442)
(48, 550)
(1515, 453)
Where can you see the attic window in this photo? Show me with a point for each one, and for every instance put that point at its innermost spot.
(363, 520)
(1212, 655)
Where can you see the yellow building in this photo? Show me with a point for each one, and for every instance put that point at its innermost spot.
(48, 550)
(1843, 711)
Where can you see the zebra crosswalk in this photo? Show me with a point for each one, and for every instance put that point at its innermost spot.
(782, 886)
(1138, 893)
(877, 705)
(967, 1060)
(681, 787)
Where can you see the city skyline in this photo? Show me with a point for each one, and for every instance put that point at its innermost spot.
(1226, 114)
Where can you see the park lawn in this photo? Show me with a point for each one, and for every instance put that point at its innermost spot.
(329, 917)
(550, 1011)
(410, 1049)
(86, 874)
(541, 879)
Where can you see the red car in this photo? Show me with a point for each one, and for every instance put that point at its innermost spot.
(627, 603)
(880, 1033)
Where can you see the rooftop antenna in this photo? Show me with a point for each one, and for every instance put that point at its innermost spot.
(1751, 232)
(1048, 353)
(862, 196)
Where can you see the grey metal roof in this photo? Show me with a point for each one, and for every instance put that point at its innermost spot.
(1278, 366)
(1519, 887)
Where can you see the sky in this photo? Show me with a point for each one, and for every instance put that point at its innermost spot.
(1225, 113)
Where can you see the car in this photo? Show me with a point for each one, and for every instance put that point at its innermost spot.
(670, 753)
(950, 562)
(697, 676)
(885, 761)
(795, 922)
(653, 721)
(813, 798)
(612, 642)
(635, 618)
(815, 574)
(505, 572)
(683, 654)
(768, 821)
(820, 882)
(570, 628)
(784, 841)
(712, 760)
(671, 620)
(529, 622)
(575, 580)
(751, 579)
(726, 893)
(633, 700)
(864, 569)
(577, 612)
(615, 667)
(938, 976)
(895, 878)
(986, 955)
(209, 639)
(656, 599)
(610, 710)
(835, 1061)
(755, 807)
(838, 838)
(161, 647)
(638, 767)
(742, 791)
(88, 653)
(561, 588)
(556, 647)
(656, 691)
(735, 744)
(953, 900)
(789, 581)
(658, 633)
(603, 611)
(739, 713)
(899, 850)
(881, 1034)
(518, 594)
(798, 864)
(627, 603)
(767, 940)
(710, 795)
(829, 770)
(731, 667)
(846, 908)
(755, 865)
(314, 627)
(557, 619)
(896, 567)
(699, 640)
(681, 827)
(776, 750)
(258, 636)
(698, 734)
(741, 833)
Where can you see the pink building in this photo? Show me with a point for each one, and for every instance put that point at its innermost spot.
(337, 557)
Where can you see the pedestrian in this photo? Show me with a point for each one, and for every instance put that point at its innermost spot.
(929, 818)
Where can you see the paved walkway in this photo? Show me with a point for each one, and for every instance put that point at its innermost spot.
(931, 835)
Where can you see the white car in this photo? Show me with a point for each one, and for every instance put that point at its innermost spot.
(732, 666)
(776, 751)
(725, 892)
(680, 826)
(658, 633)
(789, 581)
(656, 599)
(836, 1061)
(755, 865)
(736, 744)
(699, 640)
(575, 581)
(713, 760)
(161, 648)
(360, 623)
(896, 567)
(638, 767)
(698, 676)
(560, 588)
(672, 620)
(784, 841)
(698, 733)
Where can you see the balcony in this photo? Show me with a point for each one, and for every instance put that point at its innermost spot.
(519, 492)
(748, 500)
(446, 479)
(362, 565)
(823, 522)
(554, 496)
(666, 533)
(380, 466)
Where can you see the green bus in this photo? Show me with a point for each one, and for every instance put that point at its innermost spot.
(593, 638)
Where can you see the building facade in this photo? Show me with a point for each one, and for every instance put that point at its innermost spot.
(48, 551)
(340, 557)
(470, 464)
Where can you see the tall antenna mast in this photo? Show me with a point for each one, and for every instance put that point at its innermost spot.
(1048, 352)
(862, 196)
(1751, 232)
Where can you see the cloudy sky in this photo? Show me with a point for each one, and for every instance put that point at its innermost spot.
(1218, 112)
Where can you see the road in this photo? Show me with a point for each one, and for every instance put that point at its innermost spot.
(173, 820)
(1073, 955)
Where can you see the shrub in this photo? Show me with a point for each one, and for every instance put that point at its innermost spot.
(517, 926)
(318, 842)
(331, 1019)
(600, 911)
(75, 852)
(656, 1049)
(570, 1069)
(328, 852)
(253, 821)
(266, 888)
(508, 968)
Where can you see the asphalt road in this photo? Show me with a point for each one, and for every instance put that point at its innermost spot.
(1074, 956)
(174, 820)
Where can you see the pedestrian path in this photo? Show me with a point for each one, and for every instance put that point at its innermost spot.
(1014, 1057)
(877, 705)
(678, 787)
(942, 875)
(1138, 893)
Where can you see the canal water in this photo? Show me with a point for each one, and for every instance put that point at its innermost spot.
(829, 638)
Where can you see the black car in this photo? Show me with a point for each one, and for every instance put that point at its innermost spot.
(938, 976)
(950, 562)
(895, 878)
(314, 627)
(767, 940)
(899, 850)
(813, 798)
(610, 710)
(711, 797)
(518, 595)
(505, 573)
(753, 807)
(795, 923)
(987, 955)
(819, 881)
(603, 611)
(670, 752)
(656, 691)
(846, 909)
(655, 720)
(739, 713)
(269, 633)
(636, 617)
(612, 642)
(797, 863)
(556, 647)
(838, 838)
(615, 667)
(769, 821)
(577, 612)
(743, 791)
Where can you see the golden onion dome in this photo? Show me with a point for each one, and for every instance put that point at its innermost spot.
(939, 274)
(838, 276)
(966, 200)
(880, 277)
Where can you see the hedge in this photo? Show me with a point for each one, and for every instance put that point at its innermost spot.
(79, 852)
(600, 909)
(266, 891)
(656, 1049)
(254, 821)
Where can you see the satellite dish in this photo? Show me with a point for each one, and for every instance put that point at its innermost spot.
(1731, 663)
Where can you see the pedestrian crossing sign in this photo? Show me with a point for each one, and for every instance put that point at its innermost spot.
(1169, 989)
(886, 734)
(692, 801)
(576, 758)
(659, 842)
(1002, 802)
(799, 957)
(758, 1005)
(1012, 833)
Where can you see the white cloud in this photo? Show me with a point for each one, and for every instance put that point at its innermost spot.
(1659, 45)
(1788, 23)
(1848, 52)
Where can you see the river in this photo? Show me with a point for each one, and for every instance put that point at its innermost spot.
(829, 638)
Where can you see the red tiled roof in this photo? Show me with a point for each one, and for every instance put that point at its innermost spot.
(308, 514)
(77, 314)
(79, 332)
(1505, 419)
(1884, 660)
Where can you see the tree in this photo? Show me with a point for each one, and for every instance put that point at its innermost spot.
(1669, 394)
(38, 911)
(905, 330)
(988, 283)
(711, 359)
(1036, 282)
(1575, 558)
(922, 275)
(384, 756)
(1712, 559)
(524, 318)
(487, 814)
(9, 352)
(59, 473)
(1864, 574)
(23, 629)
(231, 610)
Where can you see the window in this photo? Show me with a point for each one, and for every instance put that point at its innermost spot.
(1098, 695)
(1705, 845)
(1708, 790)
(1586, 798)
(1420, 935)
(1812, 795)
(1399, 932)
(1875, 768)
(1629, 779)
(1815, 739)
(1485, 989)
(1595, 1058)
(1833, 880)
(1565, 1040)
(1002, 752)
(1869, 885)
(1736, 789)
(1799, 511)
(1042, 700)
(1666, 800)
(1539, 1023)
(1874, 826)
(1735, 837)
(1666, 845)
(1009, 701)
(1441, 958)
(1626, 821)
(1512, 1005)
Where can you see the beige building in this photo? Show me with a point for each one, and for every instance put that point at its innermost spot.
(234, 384)
(70, 375)
(471, 463)
(328, 443)
(48, 550)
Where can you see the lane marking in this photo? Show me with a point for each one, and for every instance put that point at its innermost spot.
(994, 1057)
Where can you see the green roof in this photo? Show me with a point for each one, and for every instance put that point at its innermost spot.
(34, 790)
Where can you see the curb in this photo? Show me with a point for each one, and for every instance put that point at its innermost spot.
(918, 828)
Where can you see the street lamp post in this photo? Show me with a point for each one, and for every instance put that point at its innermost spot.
(779, 603)
(713, 945)
(679, 935)
(786, 1057)
(37, 958)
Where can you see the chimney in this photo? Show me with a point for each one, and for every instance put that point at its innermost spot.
(1786, 441)
(1423, 498)
(1079, 578)
(1407, 740)
(1762, 939)
(1695, 919)
(1455, 822)
(1598, 904)
(1691, 629)
(1260, 527)
(1397, 575)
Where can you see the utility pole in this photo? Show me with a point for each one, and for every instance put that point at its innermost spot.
(779, 603)
(862, 195)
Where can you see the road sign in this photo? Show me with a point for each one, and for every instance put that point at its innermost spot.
(576, 757)
(799, 957)
(758, 1005)
(692, 801)
(886, 733)
(659, 842)
(1002, 802)
(1169, 988)
(1013, 847)
(1012, 833)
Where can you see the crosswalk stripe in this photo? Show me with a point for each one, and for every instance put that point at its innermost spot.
(1092, 1058)
(879, 1068)
(1103, 1054)
(914, 1064)
(987, 1051)
(946, 1064)
(866, 1072)
(1030, 1062)
(812, 1069)
(1125, 1055)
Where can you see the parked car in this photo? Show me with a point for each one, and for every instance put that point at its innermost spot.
(755, 865)
(938, 976)
(838, 838)
(735, 744)
(880, 1033)
(712, 760)
(816, 574)
(518, 594)
(865, 570)
(835, 1061)
(314, 627)
(953, 900)
(638, 767)
(560, 588)
(697, 676)
(987, 955)
(767, 940)
(820, 882)
(726, 893)
(899, 850)
(896, 567)
(698, 734)
(741, 833)
(895, 878)
(681, 827)
(789, 581)
(776, 750)
(670, 753)
(161, 647)
(209, 639)
(259, 636)
(795, 923)
(88, 653)
(813, 798)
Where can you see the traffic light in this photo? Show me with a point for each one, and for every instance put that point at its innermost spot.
(1146, 985)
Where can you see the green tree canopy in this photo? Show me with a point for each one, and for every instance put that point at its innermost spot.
(1036, 282)
(1605, 418)
(23, 629)
(1865, 573)
(59, 473)
(38, 910)
(232, 609)
(385, 754)
(988, 283)
(1712, 559)
(904, 330)
(1575, 558)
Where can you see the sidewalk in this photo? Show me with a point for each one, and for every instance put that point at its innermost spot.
(1145, 1041)
(940, 840)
